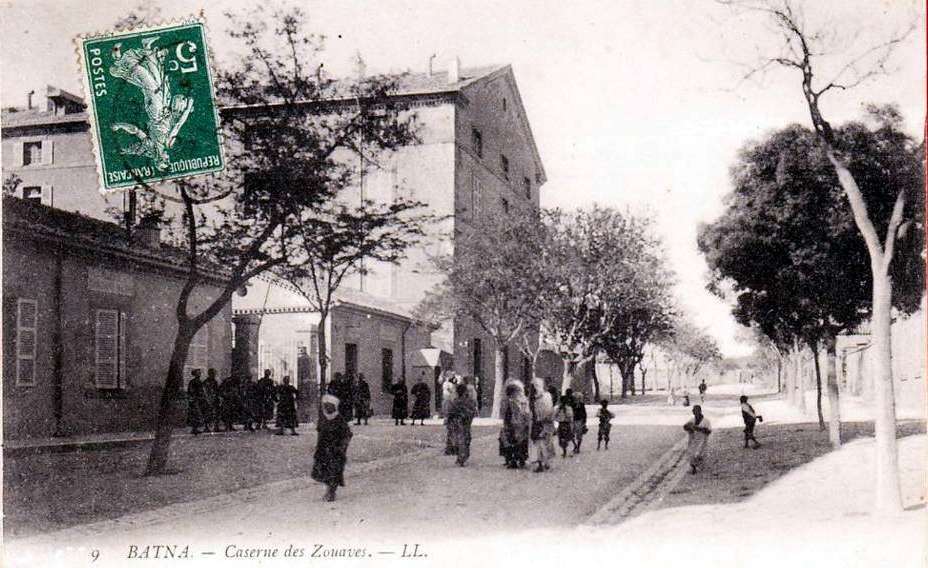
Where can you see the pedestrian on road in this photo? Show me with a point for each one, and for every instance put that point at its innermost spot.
(400, 403)
(251, 403)
(751, 418)
(579, 421)
(362, 401)
(698, 429)
(450, 389)
(230, 401)
(702, 391)
(286, 408)
(564, 416)
(605, 425)
(542, 431)
(460, 416)
(422, 398)
(266, 392)
(196, 402)
(517, 421)
(211, 396)
(672, 397)
(334, 434)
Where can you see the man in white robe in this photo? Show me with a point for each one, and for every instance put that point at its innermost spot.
(698, 429)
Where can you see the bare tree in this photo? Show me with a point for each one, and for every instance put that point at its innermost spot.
(801, 50)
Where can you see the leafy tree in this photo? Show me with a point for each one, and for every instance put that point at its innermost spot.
(692, 349)
(495, 278)
(11, 183)
(884, 212)
(287, 161)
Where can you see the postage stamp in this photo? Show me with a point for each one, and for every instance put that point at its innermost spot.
(152, 105)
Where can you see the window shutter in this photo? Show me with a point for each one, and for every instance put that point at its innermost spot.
(123, 374)
(106, 346)
(26, 326)
(47, 149)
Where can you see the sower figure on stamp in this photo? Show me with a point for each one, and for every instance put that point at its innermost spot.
(211, 395)
(331, 454)
(286, 407)
(698, 428)
(196, 402)
(751, 418)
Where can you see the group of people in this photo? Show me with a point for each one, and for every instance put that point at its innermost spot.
(353, 395)
(698, 429)
(421, 405)
(218, 407)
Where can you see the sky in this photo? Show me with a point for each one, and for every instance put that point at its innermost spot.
(635, 104)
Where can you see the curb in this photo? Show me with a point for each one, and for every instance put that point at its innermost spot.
(624, 504)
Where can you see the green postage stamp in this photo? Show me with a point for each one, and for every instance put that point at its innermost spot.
(152, 105)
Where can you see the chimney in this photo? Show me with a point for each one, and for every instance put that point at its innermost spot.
(29, 99)
(431, 59)
(454, 71)
(148, 233)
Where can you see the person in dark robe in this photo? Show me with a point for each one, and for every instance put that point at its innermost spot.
(400, 403)
(461, 414)
(422, 398)
(564, 416)
(346, 397)
(517, 418)
(211, 396)
(266, 393)
(286, 408)
(196, 402)
(362, 401)
(251, 403)
(580, 427)
(331, 454)
(230, 401)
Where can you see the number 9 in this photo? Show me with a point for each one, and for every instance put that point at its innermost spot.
(94, 554)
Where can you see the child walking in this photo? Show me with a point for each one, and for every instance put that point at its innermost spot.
(331, 447)
(605, 424)
(564, 416)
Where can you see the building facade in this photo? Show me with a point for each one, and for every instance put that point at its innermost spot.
(88, 324)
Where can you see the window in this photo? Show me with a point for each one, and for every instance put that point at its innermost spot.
(504, 104)
(476, 190)
(110, 349)
(504, 164)
(33, 193)
(537, 179)
(527, 186)
(198, 356)
(26, 326)
(32, 153)
(386, 369)
(477, 142)
(505, 205)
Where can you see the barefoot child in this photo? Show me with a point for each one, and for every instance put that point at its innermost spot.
(331, 447)
(605, 424)
(564, 416)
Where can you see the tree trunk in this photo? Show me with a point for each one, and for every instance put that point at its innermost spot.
(888, 491)
(818, 387)
(595, 378)
(831, 380)
(566, 377)
(643, 374)
(800, 383)
(628, 375)
(498, 380)
(779, 375)
(164, 427)
(323, 361)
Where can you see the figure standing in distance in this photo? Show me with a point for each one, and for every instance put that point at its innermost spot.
(461, 414)
(702, 391)
(331, 447)
(286, 407)
(230, 402)
(698, 429)
(362, 401)
(251, 404)
(195, 402)
(605, 425)
(751, 418)
(579, 421)
(450, 393)
(211, 396)
(542, 430)
(564, 416)
(422, 398)
(346, 396)
(400, 403)
(266, 392)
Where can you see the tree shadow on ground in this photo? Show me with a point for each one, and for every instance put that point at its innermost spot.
(733, 474)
